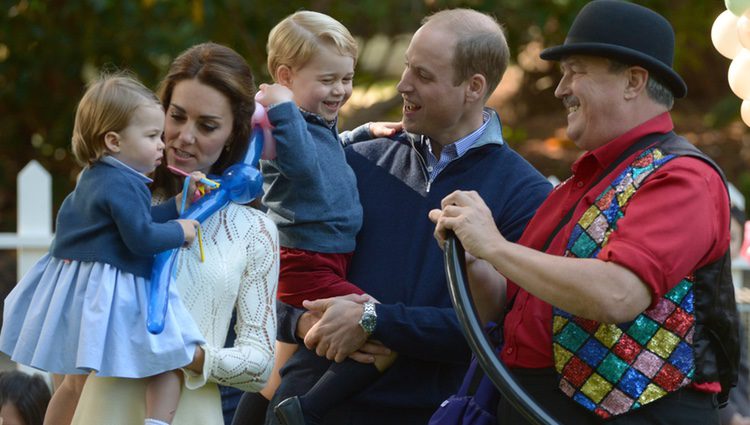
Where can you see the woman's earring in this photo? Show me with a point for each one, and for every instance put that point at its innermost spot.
(226, 147)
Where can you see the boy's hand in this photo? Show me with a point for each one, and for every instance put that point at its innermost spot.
(271, 94)
(188, 228)
(385, 129)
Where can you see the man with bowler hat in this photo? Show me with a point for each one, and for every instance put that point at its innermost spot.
(620, 302)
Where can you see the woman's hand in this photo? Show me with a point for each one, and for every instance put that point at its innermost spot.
(199, 358)
(371, 352)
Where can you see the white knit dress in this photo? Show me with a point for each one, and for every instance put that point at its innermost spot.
(240, 270)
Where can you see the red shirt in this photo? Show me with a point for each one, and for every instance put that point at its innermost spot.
(675, 223)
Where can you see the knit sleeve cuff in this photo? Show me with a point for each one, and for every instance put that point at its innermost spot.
(359, 134)
(194, 380)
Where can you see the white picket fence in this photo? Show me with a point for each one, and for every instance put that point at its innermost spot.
(34, 230)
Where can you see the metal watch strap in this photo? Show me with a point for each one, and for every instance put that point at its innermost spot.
(368, 321)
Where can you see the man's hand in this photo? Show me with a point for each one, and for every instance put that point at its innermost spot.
(466, 214)
(337, 334)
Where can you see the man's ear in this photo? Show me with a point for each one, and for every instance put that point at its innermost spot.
(284, 75)
(637, 79)
(112, 141)
(476, 88)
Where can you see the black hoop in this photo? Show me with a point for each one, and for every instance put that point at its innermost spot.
(455, 261)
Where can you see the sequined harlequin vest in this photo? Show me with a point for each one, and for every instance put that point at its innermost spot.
(691, 335)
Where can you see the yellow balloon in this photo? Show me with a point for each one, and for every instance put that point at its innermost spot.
(743, 30)
(724, 34)
(745, 112)
(739, 74)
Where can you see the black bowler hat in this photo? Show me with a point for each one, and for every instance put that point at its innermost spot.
(625, 32)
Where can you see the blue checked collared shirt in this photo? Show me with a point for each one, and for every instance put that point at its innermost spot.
(454, 150)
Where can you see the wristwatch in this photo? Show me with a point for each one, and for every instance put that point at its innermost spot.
(369, 318)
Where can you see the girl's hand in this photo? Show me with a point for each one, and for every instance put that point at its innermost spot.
(193, 186)
(385, 129)
(188, 228)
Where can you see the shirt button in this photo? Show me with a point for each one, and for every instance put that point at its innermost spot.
(579, 184)
(429, 169)
(509, 350)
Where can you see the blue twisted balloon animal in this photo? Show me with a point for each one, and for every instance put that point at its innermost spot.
(240, 183)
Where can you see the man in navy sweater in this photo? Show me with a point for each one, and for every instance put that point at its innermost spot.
(453, 63)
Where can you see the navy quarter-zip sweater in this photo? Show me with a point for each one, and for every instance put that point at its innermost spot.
(398, 261)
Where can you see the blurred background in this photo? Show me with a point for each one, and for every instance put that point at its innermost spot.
(49, 49)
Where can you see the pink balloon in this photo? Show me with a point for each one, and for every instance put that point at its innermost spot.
(724, 35)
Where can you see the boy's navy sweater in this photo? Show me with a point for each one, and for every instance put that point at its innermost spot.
(310, 191)
(108, 219)
(398, 261)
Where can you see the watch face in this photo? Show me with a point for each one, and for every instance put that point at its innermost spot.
(369, 318)
(368, 322)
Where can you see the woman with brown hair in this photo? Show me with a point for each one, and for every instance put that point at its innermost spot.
(208, 96)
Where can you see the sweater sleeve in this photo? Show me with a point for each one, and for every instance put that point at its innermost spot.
(164, 211)
(398, 328)
(129, 206)
(359, 134)
(427, 333)
(288, 316)
(296, 156)
(522, 206)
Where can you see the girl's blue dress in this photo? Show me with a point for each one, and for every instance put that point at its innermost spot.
(71, 317)
(74, 317)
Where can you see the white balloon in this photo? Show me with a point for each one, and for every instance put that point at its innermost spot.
(724, 34)
(743, 30)
(745, 112)
(739, 74)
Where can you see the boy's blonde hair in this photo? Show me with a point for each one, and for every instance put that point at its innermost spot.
(293, 41)
(108, 105)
